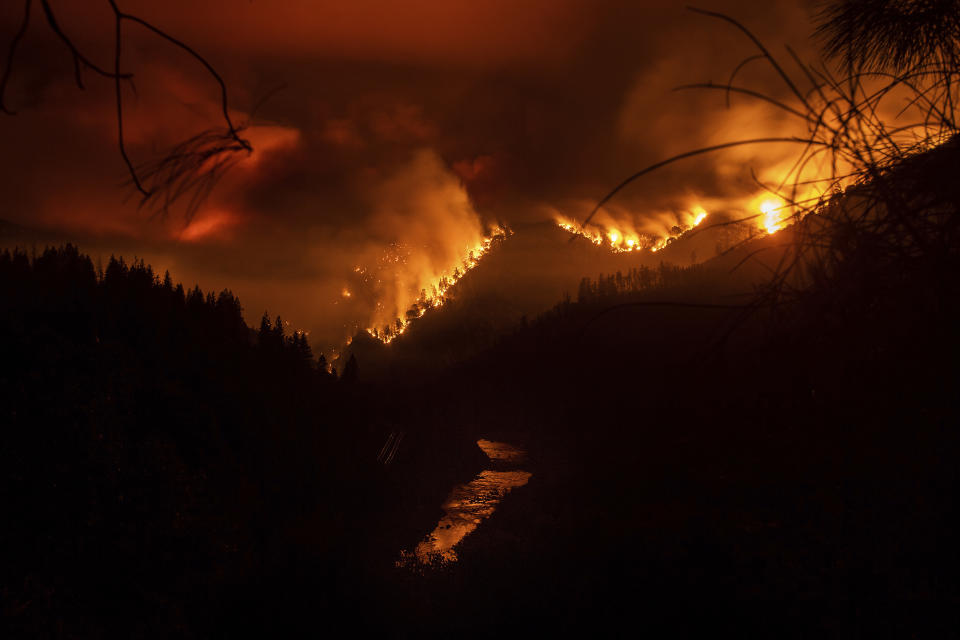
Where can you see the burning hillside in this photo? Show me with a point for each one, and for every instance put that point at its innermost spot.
(626, 239)
(765, 214)
(434, 293)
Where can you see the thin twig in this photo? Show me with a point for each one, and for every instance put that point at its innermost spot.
(683, 156)
(8, 67)
(54, 25)
(118, 52)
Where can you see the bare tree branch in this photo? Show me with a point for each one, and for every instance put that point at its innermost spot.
(118, 53)
(683, 156)
(193, 166)
(887, 201)
(8, 66)
(223, 86)
(54, 25)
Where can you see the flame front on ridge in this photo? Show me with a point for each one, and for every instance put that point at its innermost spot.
(440, 287)
(622, 241)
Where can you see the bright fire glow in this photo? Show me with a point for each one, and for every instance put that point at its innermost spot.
(435, 297)
(701, 214)
(772, 215)
(775, 214)
(623, 241)
(208, 225)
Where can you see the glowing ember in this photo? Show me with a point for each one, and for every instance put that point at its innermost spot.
(439, 288)
(345, 293)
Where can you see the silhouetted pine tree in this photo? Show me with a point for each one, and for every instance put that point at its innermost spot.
(265, 332)
(351, 371)
(883, 35)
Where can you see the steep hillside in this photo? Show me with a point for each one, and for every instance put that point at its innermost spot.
(540, 266)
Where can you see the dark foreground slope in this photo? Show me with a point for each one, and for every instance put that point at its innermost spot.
(706, 462)
(708, 458)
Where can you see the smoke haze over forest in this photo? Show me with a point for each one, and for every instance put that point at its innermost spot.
(380, 132)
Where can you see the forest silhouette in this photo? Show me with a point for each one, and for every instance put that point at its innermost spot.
(154, 442)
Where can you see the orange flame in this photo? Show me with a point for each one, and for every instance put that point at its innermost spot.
(440, 287)
(622, 241)
(773, 215)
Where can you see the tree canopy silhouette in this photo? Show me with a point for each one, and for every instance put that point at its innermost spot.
(891, 35)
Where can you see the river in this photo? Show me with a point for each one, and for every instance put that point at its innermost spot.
(468, 505)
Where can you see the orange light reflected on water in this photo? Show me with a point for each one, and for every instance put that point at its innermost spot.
(468, 505)
(501, 451)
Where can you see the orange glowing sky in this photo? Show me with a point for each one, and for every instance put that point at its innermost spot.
(377, 126)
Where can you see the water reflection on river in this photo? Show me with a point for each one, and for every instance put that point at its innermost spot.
(470, 504)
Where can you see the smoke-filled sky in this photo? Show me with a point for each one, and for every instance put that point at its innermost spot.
(388, 137)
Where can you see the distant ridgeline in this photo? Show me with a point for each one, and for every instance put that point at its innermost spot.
(61, 294)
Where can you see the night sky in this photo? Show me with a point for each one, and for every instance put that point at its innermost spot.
(380, 129)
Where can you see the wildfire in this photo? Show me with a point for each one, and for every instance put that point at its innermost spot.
(622, 241)
(772, 215)
(701, 214)
(439, 288)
